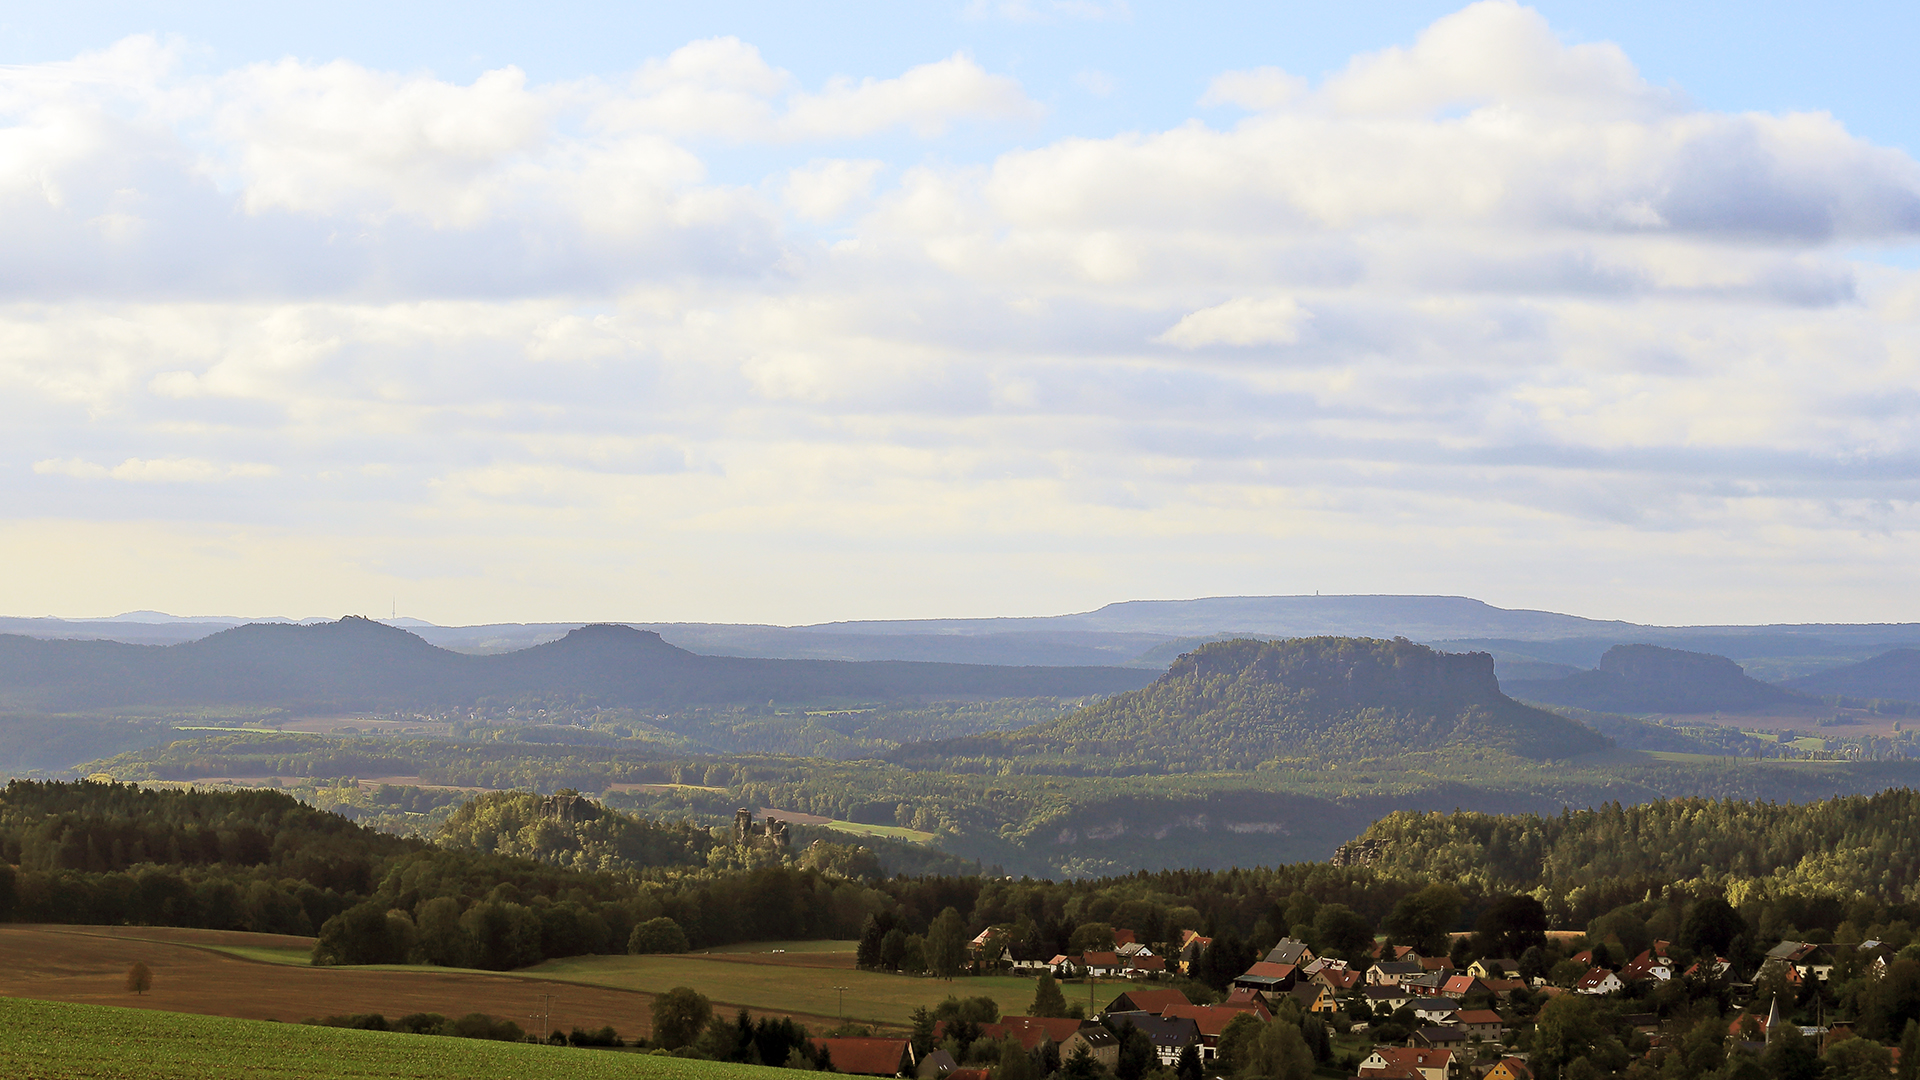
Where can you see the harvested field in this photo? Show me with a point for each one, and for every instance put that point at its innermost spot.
(88, 964)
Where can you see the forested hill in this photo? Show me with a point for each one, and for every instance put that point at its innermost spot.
(1892, 674)
(357, 663)
(1241, 704)
(1650, 678)
(1854, 845)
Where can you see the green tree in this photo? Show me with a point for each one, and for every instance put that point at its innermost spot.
(946, 946)
(922, 1036)
(1910, 1052)
(1569, 1030)
(1342, 931)
(679, 1016)
(1858, 1059)
(1091, 937)
(1081, 1066)
(661, 935)
(438, 936)
(1047, 998)
(1278, 1052)
(1710, 927)
(139, 979)
(1510, 926)
(1236, 1042)
(1790, 1055)
(1016, 1063)
(1422, 919)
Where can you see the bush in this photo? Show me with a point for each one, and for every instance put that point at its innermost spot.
(661, 935)
(606, 1036)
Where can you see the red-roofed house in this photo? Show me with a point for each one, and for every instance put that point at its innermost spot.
(1410, 1061)
(873, 1056)
(1509, 1068)
(1212, 1020)
(1153, 1001)
(1267, 977)
(1339, 980)
(1480, 1023)
(1599, 981)
(1459, 986)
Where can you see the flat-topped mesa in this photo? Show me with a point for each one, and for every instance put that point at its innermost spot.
(1364, 671)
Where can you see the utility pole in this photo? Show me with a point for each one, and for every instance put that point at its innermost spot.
(545, 1016)
(843, 1003)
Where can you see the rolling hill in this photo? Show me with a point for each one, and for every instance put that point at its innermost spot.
(1244, 703)
(1892, 674)
(357, 663)
(1652, 679)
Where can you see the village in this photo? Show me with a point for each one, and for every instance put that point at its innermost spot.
(1397, 1014)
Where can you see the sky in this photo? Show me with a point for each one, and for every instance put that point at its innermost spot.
(792, 313)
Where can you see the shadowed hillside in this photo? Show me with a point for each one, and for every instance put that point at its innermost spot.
(1892, 674)
(1648, 678)
(1240, 704)
(360, 664)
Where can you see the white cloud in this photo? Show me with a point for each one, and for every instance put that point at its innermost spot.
(1241, 321)
(1257, 88)
(822, 190)
(1545, 313)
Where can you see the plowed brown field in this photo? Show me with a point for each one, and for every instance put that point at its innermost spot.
(88, 964)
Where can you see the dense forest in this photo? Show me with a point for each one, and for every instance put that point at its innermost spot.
(1856, 846)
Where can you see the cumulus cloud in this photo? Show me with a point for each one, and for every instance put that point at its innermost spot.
(1490, 280)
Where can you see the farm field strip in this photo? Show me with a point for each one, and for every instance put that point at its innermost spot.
(65, 1041)
(871, 996)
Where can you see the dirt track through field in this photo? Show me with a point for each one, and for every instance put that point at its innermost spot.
(88, 964)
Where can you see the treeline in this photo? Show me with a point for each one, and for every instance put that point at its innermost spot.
(111, 853)
(1853, 846)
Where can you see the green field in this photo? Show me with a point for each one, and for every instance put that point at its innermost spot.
(55, 1041)
(896, 832)
(871, 996)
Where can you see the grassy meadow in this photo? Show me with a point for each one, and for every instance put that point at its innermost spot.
(800, 982)
(58, 1041)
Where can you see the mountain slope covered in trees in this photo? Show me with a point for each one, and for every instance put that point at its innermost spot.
(1893, 674)
(1243, 704)
(1650, 678)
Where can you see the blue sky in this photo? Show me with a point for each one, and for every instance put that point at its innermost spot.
(778, 313)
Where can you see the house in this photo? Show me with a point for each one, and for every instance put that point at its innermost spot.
(1503, 988)
(1435, 1010)
(1064, 966)
(1462, 986)
(1648, 966)
(1100, 965)
(1099, 1043)
(1314, 997)
(1393, 972)
(1493, 968)
(1192, 944)
(1142, 966)
(1271, 978)
(1289, 951)
(1397, 952)
(1248, 1001)
(1481, 1024)
(1170, 1035)
(1599, 981)
(1806, 958)
(1418, 1063)
(1338, 980)
(1714, 969)
(1211, 1020)
(1436, 963)
(1133, 948)
(935, 1066)
(1428, 983)
(1509, 1068)
(1439, 1037)
(872, 1056)
(1029, 960)
(1153, 1001)
(1392, 998)
(1030, 1031)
